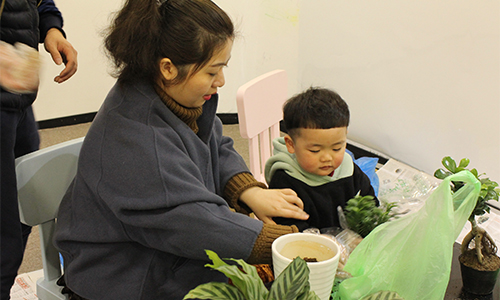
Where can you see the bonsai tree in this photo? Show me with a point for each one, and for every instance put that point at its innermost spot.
(484, 244)
(292, 283)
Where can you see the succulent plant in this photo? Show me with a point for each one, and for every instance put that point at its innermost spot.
(362, 214)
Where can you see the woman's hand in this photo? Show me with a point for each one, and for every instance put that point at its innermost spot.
(269, 203)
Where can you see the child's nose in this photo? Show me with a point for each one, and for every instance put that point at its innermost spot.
(326, 157)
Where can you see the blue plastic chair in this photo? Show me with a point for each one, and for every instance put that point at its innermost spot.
(43, 177)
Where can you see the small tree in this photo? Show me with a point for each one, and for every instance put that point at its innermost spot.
(484, 244)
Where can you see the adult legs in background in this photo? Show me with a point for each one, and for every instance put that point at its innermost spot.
(19, 136)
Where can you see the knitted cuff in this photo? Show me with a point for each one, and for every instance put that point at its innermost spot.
(235, 186)
(261, 252)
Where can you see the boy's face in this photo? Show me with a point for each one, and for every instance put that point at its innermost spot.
(318, 151)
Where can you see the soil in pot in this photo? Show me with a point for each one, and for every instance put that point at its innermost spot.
(479, 278)
(491, 262)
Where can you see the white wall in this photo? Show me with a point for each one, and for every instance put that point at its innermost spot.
(85, 91)
(268, 38)
(268, 35)
(422, 78)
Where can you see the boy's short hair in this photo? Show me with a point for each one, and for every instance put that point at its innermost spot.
(315, 108)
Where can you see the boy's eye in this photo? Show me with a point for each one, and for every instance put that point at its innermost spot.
(314, 151)
(337, 150)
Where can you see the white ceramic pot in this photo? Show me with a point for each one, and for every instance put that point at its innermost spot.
(322, 273)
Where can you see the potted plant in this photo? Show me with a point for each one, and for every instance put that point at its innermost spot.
(479, 264)
(362, 214)
(292, 283)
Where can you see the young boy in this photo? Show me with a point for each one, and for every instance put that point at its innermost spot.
(311, 158)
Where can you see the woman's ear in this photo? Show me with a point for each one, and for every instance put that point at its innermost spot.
(289, 144)
(168, 69)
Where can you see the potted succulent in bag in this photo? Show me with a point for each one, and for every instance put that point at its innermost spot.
(479, 264)
(362, 214)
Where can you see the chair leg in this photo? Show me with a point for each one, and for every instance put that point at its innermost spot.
(46, 287)
(50, 255)
(49, 290)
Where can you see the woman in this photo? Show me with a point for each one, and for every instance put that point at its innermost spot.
(156, 178)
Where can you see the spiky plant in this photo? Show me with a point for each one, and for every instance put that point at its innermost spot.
(362, 214)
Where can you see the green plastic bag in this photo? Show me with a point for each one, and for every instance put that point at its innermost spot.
(412, 255)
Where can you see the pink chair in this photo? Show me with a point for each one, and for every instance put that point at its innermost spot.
(260, 103)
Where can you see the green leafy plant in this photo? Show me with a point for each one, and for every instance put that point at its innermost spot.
(489, 191)
(362, 215)
(292, 283)
(380, 295)
(386, 295)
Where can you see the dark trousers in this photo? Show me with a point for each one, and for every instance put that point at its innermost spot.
(19, 136)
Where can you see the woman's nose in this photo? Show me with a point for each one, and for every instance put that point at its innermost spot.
(220, 80)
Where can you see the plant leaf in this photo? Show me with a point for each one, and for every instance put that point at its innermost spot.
(492, 195)
(449, 164)
(308, 296)
(252, 282)
(215, 291)
(464, 163)
(217, 262)
(247, 281)
(385, 295)
(362, 214)
(292, 283)
(441, 174)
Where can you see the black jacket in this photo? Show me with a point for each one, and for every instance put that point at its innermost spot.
(321, 202)
(27, 22)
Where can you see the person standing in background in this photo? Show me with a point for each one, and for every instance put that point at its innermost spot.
(27, 23)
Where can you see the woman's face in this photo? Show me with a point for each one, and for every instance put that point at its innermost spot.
(199, 87)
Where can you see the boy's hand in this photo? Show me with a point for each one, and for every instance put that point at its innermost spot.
(269, 203)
